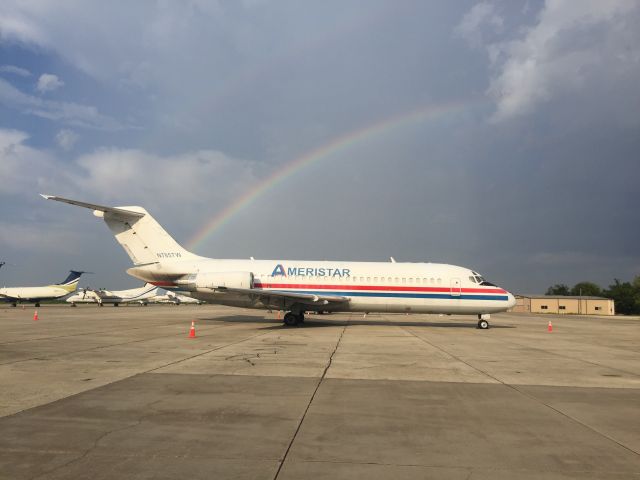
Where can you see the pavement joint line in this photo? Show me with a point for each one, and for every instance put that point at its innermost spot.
(572, 358)
(88, 333)
(139, 373)
(532, 397)
(97, 441)
(204, 353)
(115, 329)
(313, 395)
(46, 357)
(463, 467)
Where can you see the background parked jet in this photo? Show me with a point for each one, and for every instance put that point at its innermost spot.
(175, 298)
(15, 295)
(140, 295)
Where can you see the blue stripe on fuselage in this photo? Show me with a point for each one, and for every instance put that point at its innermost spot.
(444, 296)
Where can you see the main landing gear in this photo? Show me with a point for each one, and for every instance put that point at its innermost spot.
(293, 319)
(483, 321)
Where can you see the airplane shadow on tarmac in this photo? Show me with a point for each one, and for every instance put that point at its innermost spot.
(314, 322)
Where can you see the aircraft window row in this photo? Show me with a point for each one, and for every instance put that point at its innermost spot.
(356, 279)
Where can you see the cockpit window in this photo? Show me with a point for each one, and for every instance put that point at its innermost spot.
(479, 279)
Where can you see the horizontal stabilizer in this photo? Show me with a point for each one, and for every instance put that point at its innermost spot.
(93, 206)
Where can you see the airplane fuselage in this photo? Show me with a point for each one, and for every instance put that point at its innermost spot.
(31, 294)
(369, 286)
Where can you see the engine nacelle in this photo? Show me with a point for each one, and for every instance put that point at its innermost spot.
(213, 280)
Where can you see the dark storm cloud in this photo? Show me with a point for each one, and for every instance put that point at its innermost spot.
(531, 179)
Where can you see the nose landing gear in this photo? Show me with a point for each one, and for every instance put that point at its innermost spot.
(483, 321)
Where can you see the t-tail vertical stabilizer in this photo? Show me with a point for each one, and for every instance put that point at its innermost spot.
(141, 236)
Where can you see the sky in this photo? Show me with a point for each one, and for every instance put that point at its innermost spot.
(503, 136)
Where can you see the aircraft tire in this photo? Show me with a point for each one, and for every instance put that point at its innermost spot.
(483, 324)
(291, 319)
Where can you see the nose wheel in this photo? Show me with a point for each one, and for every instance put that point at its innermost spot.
(483, 322)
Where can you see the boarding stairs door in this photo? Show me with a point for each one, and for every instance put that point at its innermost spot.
(456, 288)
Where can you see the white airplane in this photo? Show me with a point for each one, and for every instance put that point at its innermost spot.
(174, 298)
(298, 286)
(15, 295)
(140, 295)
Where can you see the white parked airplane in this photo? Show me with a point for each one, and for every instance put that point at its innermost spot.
(140, 295)
(15, 295)
(298, 286)
(174, 298)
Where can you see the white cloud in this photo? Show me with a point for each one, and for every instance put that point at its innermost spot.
(482, 15)
(66, 139)
(17, 26)
(48, 82)
(30, 237)
(177, 183)
(570, 49)
(173, 181)
(22, 168)
(66, 112)
(22, 72)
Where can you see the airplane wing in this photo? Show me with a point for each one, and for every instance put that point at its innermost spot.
(275, 297)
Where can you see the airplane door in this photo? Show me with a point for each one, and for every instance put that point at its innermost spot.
(456, 288)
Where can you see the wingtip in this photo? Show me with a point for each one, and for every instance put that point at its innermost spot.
(46, 197)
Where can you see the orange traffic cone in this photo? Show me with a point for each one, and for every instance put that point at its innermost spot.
(35, 315)
(192, 332)
(550, 327)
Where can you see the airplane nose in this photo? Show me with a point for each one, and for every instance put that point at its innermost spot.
(511, 300)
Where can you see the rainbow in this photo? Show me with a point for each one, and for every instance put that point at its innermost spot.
(335, 146)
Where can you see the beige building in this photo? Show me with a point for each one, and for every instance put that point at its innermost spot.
(564, 304)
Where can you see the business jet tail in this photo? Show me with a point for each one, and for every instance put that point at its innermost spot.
(141, 236)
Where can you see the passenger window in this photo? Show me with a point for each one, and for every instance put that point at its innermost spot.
(404, 280)
(439, 281)
(368, 279)
(397, 280)
(411, 280)
(375, 279)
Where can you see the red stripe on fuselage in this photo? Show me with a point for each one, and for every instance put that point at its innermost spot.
(389, 288)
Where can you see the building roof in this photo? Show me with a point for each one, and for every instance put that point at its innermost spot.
(561, 297)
